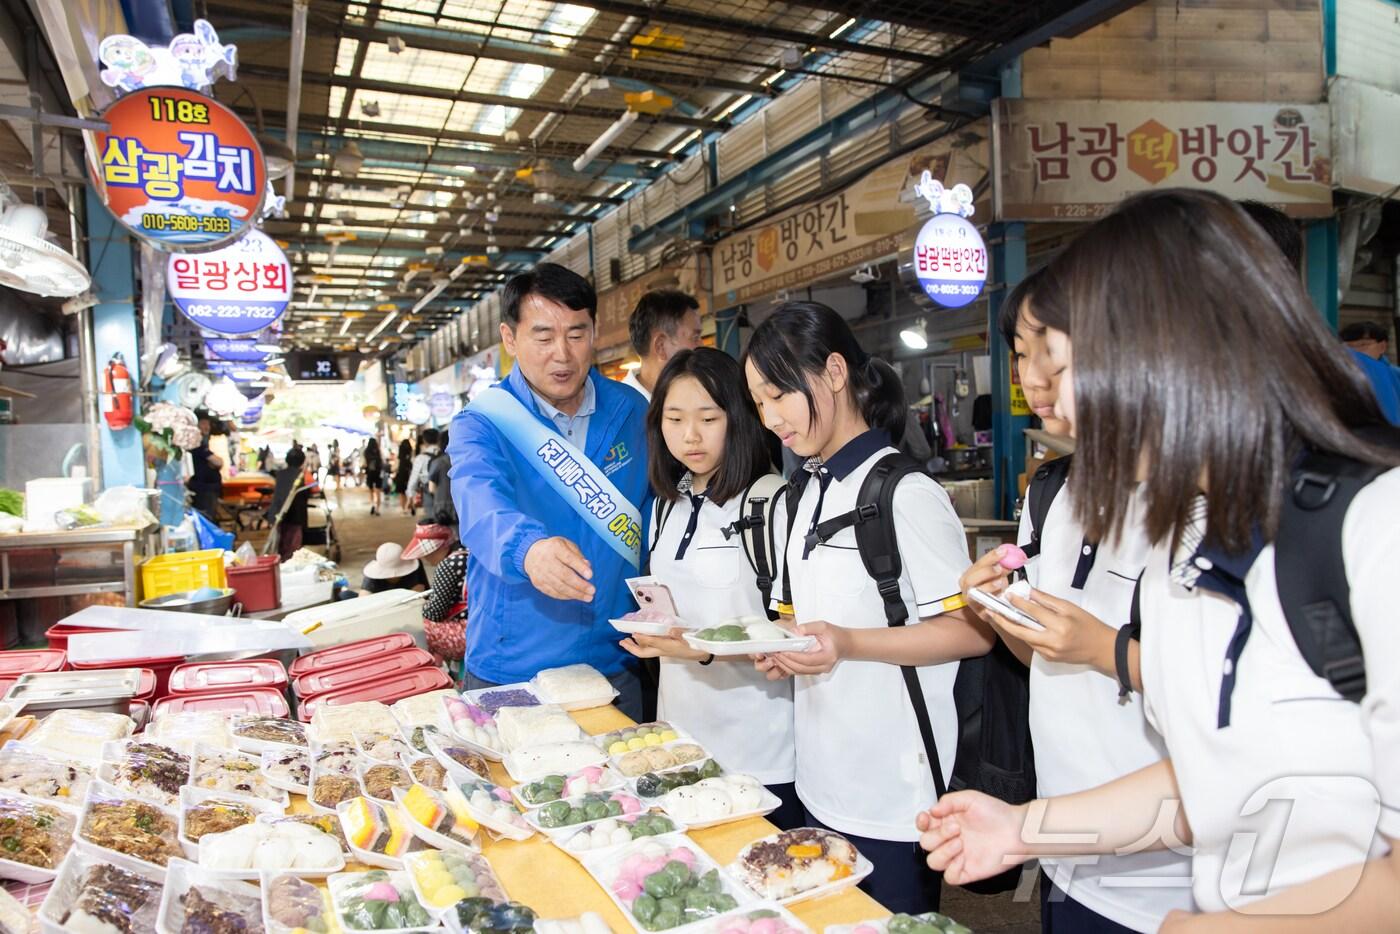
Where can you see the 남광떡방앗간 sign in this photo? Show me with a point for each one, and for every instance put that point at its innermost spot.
(179, 169)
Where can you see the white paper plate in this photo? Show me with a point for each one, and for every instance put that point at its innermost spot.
(751, 646)
(768, 805)
(863, 869)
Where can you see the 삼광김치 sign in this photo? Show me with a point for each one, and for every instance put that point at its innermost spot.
(179, 169)
(235, 290)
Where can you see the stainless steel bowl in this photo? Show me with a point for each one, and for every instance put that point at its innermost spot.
(183, 602)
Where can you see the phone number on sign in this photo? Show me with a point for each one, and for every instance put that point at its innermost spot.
(256, 312)
(1081, 210)
(184, 223)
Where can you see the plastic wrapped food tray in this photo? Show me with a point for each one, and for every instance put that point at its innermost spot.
(223, 895)
(89, 882)
(20, 815)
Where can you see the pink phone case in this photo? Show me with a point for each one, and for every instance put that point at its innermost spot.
(655, 597)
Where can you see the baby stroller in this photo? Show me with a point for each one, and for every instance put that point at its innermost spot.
(320, 525)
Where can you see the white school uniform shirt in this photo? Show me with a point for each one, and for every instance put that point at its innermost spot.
(631, 379)
(744, 720)
(861, 766)
(1083, 736)
(1281, 778)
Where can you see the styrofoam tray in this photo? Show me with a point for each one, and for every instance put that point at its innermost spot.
(611, 781)
(882, 924)
(24, 872)
(103, 790)
(532, 817)
(14, 752)
(208, 752)
(474, 697)
(368, 857)
(413, 858)
(457, 793)
(276, 781)
(751, 646)
(603, 740)
(114, 754)
(770, 803)
(616, 761)
(585, 703)
(494, 753)
(603, 871)
(322, 809)
(182, 876)
(259, 746)
(250, 875)
(520, 774)
(431, 837)
(400, 881)
(366, 765)
(456, 770)
(560, 840)
(365, 741)
(81, 859)
(641, 627)
(190, 797)
(272, 925)
(863, 869)
(715, 924)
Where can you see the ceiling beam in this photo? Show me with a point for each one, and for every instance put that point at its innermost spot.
(433, 227)
(279, 75)
(506, 209)
(325, 176)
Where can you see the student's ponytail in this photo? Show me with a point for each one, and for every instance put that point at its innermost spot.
(793, 345)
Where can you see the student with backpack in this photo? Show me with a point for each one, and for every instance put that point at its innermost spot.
(708, 461)
(864, 766)
(1201, 371)
(1083, 595)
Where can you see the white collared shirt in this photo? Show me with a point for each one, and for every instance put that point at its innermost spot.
(1083, 736)
(742, 718)
(861, 766)
(1300, 781)
(574, 427)
(634, 380)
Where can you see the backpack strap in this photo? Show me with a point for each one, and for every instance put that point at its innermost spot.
(878, 543)
(660, 512)
(1049, 478)
(1312, 580)
(796, 486)
(757, 511)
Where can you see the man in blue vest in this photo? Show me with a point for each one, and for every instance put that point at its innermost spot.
(549, 476)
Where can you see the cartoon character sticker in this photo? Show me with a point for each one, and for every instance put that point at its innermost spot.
(192, 60)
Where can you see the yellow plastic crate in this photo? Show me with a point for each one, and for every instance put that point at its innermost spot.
(181, 571)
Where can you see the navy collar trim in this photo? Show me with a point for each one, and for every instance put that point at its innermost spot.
(856, 452)
(1235, 564)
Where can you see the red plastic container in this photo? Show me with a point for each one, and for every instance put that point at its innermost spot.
(6, 684)
(338, 656)
(223, 677)
(58, 634)
(141, 713)
(385, 690)
(258, 586)
(14, 664)
(147, 690)
(161, 667)
(258, 702)
(357, 673)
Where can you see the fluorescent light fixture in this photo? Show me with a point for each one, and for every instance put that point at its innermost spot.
(345, 328)
(916, 337)
(843, 27)
(603, 141)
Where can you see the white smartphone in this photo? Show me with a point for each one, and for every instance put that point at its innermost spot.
(1003, 609)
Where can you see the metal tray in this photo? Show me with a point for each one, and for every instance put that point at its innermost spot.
(111, 688)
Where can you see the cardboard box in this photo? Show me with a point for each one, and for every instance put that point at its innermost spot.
(1041, 448)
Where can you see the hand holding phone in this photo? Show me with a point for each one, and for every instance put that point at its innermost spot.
(651, 594)
(1003, 608)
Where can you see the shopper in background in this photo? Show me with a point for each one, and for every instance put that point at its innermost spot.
(288, 509)
(206, 481)
(1367, 337)
(1201, 371)
(402, 469)
(333, 464)
(418, 476)
(550, 555)
(862, 766)
(390, 570)
(374, 475)
(707, 449)
(313, 463)
(437, 502)
(1082, 597)
(1385, 384)
(445, 610)
(665, 322)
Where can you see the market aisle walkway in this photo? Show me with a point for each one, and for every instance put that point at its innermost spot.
(360, 533)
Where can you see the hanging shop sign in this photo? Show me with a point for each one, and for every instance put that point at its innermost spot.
(192, 60)
(241, 351)
(862, 223)
(179, 169)
(950, 259)
(239, 289)
(442, 404)
(1074, 160)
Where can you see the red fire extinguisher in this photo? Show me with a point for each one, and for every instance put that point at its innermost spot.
(117, 406)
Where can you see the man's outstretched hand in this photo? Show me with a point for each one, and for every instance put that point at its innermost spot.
(558, 569)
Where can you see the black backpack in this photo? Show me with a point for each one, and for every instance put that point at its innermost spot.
(991, 693)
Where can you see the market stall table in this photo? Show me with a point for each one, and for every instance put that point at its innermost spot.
(536, 873)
